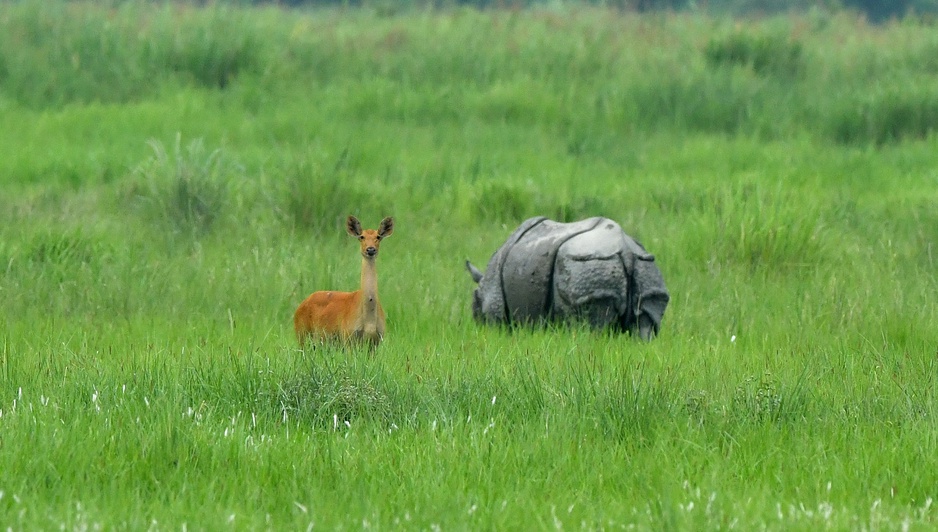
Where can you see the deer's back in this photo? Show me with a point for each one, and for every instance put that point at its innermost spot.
(327, 314)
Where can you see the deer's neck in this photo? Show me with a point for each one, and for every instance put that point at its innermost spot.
(369, 289)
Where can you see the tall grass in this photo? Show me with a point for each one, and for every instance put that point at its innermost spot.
(188, 187)
(169, 201)
(557, 69)
(80, 52)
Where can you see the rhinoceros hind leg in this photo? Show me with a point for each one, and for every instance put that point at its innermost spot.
(646, 327)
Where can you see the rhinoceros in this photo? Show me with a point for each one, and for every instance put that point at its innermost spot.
(588, 270)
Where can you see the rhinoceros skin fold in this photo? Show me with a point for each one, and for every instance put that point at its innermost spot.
(589, 270)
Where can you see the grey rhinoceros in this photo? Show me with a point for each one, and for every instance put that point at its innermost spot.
(587, 270)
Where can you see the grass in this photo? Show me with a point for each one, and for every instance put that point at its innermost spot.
(157, 235)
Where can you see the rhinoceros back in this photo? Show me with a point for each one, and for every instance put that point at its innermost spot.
(590, 280)
(488, 300)
(588, 270)
(528, 270)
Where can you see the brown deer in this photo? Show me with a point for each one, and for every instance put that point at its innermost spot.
(348, 316)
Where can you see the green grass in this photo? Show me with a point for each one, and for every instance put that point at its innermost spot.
(166, 206)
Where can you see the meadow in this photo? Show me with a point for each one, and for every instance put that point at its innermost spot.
(174, 180)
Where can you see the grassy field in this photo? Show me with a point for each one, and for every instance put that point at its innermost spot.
(173, 183)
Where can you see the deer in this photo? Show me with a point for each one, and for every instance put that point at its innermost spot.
(348, 317)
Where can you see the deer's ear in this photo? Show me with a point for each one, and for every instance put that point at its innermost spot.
(353, 226)
(386, 227)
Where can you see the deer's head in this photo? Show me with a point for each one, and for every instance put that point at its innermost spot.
(369, 239)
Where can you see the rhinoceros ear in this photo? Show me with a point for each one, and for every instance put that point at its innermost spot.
(474, 272)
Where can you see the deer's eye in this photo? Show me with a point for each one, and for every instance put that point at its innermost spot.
(378, 237)
(361, 237)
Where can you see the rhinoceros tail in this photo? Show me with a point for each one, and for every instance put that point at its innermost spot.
(474, 272)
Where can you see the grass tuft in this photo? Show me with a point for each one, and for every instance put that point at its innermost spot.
(759, 229)
(60, 249)
(335, 395)
(502, 202)
(886, 113)
(318, 196)
(764, 399)
(208, 47)
(187, 189)
(764, 52)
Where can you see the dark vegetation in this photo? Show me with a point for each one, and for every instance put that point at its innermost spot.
(779, 78)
